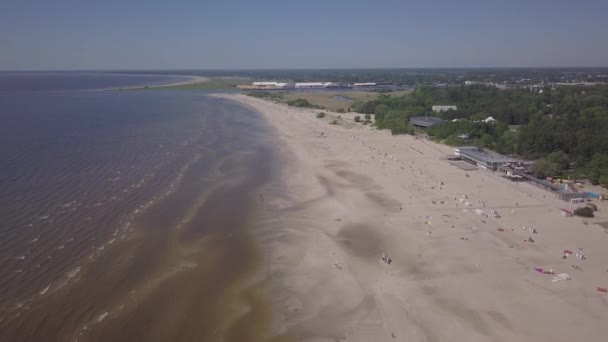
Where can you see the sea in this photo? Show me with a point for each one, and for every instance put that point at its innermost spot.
(128, 215)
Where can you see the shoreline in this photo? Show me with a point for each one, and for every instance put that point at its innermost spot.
(193, 80)
(348, 193)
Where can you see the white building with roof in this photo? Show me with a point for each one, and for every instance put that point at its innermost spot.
(364, 84)
(265, 84)
(312, 85)
(272, 85)
(443, 108)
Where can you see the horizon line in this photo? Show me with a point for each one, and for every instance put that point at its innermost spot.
(305, 69)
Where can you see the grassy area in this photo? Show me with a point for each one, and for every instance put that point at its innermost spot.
(218, 83)
(336, 100)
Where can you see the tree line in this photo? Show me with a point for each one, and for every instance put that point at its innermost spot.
(566, 128)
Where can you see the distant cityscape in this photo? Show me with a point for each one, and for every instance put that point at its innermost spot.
(273, 85)
(532, 79)
(501, 78)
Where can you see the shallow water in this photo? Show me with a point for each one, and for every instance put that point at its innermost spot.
(130, 216)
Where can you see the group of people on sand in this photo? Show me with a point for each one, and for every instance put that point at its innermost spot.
(386, 259)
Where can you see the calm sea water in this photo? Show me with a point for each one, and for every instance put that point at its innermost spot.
(37, 81)
(108, 201)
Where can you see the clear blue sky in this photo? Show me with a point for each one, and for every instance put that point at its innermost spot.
(198, 34)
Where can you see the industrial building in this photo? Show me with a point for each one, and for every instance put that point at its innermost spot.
(313, 85)
(267, 86)
(310, 85)
(338, 86)
(364, 85)
(425, 121)
(483, 158)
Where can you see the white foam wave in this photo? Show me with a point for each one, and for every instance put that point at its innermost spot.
(73, 272)
(101, 317)
(45, 290)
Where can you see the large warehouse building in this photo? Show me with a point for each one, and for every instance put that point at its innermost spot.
(266, 86)
(313, 85)
(272, 85)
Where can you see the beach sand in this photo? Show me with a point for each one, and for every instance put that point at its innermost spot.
(190, 80)
(349, 193)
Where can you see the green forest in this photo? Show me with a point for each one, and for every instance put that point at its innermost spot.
(565, 128)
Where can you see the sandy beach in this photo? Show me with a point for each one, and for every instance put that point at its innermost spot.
(463, 265)
(191, 80)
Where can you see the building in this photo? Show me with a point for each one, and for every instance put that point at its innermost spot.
(515, 170)
(512, 172)
(338, 86)
(483, 158)
(313, 85)
(425, 121)
(364, 85)
(443, 108)
(266, 86)
(562, 193)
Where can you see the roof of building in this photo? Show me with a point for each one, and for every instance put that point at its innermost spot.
(426, 121)
(312, 84)
(441, 108)
(485, 155)
(265, 83)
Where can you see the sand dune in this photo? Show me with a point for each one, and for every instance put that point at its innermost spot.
(347, 195)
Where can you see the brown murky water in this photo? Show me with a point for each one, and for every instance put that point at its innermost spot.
(155, 242)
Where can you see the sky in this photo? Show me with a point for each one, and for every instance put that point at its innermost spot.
(260, 34)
